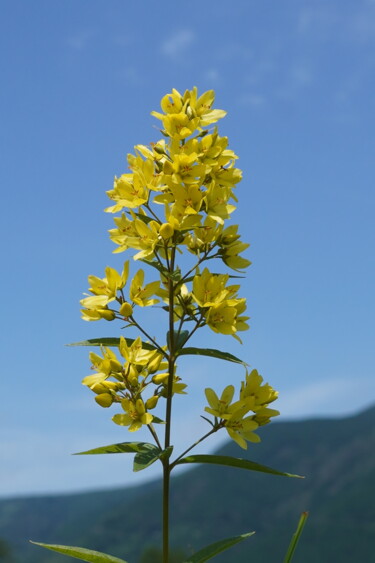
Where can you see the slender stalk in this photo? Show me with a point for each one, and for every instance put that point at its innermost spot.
(166, 476)
(168, 413)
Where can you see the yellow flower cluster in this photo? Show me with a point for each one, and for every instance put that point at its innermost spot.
(254, 397)
(124, 382)
(190, 177)
(177, 193)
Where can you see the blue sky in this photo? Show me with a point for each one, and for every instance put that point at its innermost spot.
(79, 79)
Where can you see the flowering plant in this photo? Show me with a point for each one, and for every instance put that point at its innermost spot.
(170, 211)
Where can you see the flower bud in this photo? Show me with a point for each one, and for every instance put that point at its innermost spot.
(126, 310)
(154, 364)
(106, 314)
(189, 112)
(167, 167)
(152, 402)
(160, 378)
(166, 231)
(98, 388)
(158, 149)
(105, 400)
(116, 366)
(110, 385)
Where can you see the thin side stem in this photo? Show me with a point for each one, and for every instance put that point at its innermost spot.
(149, 337)
(154, 435)
(212, 431)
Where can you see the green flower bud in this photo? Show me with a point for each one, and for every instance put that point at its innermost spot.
(105, 400)
(160, 378)
(116, 366)
(98, 388)
(158, 149)
(154, 364)
(110, 385)
(152, 402)
(106, 314)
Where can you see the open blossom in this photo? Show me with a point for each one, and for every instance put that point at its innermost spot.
(135, 417)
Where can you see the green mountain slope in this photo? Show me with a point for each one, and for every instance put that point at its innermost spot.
(211, 502)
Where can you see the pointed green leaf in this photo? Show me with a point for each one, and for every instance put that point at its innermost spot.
(81, 553)
(124, 448)
(147, 457)
(212, 353)
(157, 420)
(111, 342)
(233, 462)
(295, 537)
(211, 550)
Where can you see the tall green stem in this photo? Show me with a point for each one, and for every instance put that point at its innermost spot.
(171, 364)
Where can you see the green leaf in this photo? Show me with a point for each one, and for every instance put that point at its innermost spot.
(157, 420)
(179, 339)
(233, 462)
(212, 353)
(149, 456)
(211, 550)
(81, 553)
(295, 537)
(124, 448)
(111, 342)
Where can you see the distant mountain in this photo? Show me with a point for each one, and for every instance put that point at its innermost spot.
(337, 456)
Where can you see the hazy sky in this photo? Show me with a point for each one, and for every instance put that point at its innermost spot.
(78, 81)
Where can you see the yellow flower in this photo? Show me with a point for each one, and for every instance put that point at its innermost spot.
(140, 294)
(104, 291)
(184, 169)
(128, 191)
(219, 407)
(179, 126)
(111, 283)
(124, 234)
(170, 103)
(230, 248)
(135, 416)
(261, 395)
(209, 289)
(135, 354)
(240, 429)
(94, 311)
(224, 317)
(201, 106)
(216, 202)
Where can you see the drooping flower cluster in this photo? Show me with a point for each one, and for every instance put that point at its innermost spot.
(177, 194)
